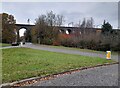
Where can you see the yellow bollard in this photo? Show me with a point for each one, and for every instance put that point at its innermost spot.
(108, 56)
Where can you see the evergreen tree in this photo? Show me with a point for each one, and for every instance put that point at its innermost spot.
(106, 27)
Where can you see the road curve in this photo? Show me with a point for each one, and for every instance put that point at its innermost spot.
(68, 51)
(99, 76)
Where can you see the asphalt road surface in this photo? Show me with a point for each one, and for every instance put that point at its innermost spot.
(99, 76)
(62, 50)
(68, 51)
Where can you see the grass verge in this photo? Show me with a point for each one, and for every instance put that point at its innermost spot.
(83, 50)
(4, 44)
(21, 63)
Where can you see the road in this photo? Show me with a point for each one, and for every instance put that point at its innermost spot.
(68, 51)
(99, 76)
(62, 50)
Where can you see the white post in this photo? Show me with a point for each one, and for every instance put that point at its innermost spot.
(21, 43)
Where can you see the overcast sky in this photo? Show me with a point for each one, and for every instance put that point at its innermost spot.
(72, 11)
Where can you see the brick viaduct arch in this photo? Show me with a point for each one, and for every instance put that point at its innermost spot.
(28, 27)
(25, 26)
(62, 29)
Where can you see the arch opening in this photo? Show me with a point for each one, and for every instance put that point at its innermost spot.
(68, 31)
(22, 35)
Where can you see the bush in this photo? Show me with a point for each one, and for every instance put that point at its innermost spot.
(56, 43)
(47, 41)
(91, 41)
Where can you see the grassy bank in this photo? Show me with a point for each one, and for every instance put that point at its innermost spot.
(21, 63)
(83, 50)
(4, 45)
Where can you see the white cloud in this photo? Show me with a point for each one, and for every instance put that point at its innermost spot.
(72, 11)
(60, 0)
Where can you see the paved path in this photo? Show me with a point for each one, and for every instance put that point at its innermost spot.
(99, 76)
(68, 51)
(62, 50)
(7, 47)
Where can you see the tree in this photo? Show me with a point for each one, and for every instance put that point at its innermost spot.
(106, 27)
(51, 19)
(27, 36)
(8, 27)
(83, 25)
(38, 32)
(45, 30)
(60, 19)
(89, 23)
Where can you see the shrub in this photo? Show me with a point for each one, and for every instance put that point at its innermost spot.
(56, 43)
(47, 41)
(90, 41)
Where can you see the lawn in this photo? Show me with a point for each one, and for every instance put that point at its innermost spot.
(21, 63)
(4, 44)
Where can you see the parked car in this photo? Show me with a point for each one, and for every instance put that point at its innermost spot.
(15, 44)
(23, 43)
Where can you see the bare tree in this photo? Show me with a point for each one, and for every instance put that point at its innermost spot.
(92, 22)
(83, 25)
(51, 19)
(71, 23)
(89, 23)
(45, 30)
(78, 24)
(60, 20)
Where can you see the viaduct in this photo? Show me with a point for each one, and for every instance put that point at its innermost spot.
(62, 29)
